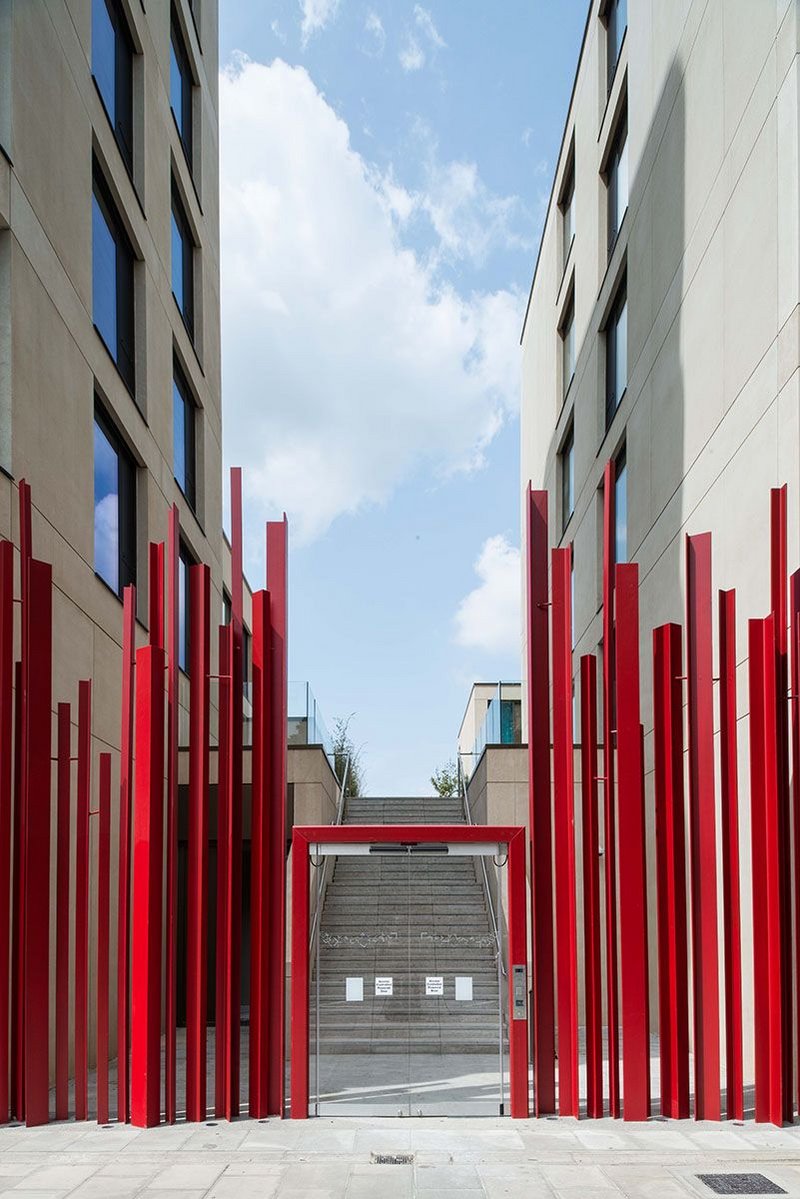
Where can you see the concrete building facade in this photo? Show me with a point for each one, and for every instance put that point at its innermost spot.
(663, 325)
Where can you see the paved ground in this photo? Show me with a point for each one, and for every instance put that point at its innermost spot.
(335, 1159)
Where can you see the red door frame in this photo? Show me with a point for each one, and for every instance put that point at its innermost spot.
(427, 834)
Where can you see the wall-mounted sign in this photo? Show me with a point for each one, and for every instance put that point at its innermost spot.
(434, 985)
(463, 987)
(354, 990)
(384, 985)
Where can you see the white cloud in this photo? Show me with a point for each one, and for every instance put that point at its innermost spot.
(373, 25)
(277, 31)
(316, 15)
(347, 362)
(412, 56)
(489, 617)
(424, 21)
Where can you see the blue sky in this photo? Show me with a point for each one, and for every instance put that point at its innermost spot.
(385, 170)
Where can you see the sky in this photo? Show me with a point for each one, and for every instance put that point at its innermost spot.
(385, 172)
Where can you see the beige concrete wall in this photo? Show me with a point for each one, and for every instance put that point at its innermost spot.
(710, 241)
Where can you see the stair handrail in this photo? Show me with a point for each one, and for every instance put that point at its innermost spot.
(462, 786)
(324, 877)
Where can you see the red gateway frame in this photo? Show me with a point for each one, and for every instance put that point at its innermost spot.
(303, 837)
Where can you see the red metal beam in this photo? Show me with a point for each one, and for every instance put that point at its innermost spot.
(300, 902)
(103, 904)
(259, 855)
(63, 843)
(673, 996)
(124, 872)
(564, 832)
(17, 915)
(156, 595)
(765, 848)
(702, 828)
(233, 968)
(171, 953)
(197, 888)
(37, 843)
(592, 976)
(778, 594)
(609, 791)
(148, 847)
(518, 957)
(795, 738)
(82, 899)
(729, 799)
(221, 950)
(540, 803)
(20, 835)
(277, 585)
(632, 851)
(6, 802)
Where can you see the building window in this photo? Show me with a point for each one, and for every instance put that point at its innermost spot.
(112, 68)
(617, 352)
(621, 507)
(185, 561)
(227, 607)
(567, 205)
(112, 281)
(183, 436)
(180, 87)
(247, 658)
(567, 334)
(568, 477)
(114, 507)
(616, 18)
(617, 182)
(182, 263)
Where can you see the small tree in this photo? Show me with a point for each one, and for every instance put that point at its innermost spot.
(344, 748)
(445, 780)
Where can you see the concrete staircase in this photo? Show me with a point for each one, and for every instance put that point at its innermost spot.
(407, 917)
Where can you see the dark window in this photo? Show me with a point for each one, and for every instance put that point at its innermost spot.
(182, 263)
(617, 182)
(183, 436)
(568, 212)
(616, 23)
(247, 654)
(180, 87)
(185, 561)
(112, 68)
(112, 281)
(621, 507)
(617, 352)
(568, 477)
(114, 507)
(227, 608)
(567, 333)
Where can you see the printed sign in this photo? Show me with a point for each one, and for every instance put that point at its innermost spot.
(464, 987)
(384, 986)
(434, 985)
(354, 990)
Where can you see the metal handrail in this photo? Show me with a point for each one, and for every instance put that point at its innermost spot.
(487, 889)
(324, 876)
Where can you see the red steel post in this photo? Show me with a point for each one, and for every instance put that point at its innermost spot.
(63, 842)
(795, 738)
(148, 847)
(778, 592)
(37, 843)
(221, 952)
(540, 803)
(156, 594)
(17, 914)
(21, 786)
(673, 994)
(82, 899)
(517, 955)
(103, 905)
(197, 887)
(277, 585)
(609, 787)
(171, 952)
(632, 851)
(124, 872)
(6, 802)
(702, 828)
(564, 833)
(259, 855)
(593, 986)
(765, 848)
(729, 797)
(300, 904)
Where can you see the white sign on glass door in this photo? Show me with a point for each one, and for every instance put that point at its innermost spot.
(354, 990)
(434, 984)
(384, 985)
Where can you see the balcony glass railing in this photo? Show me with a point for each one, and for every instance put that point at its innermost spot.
(306, 723)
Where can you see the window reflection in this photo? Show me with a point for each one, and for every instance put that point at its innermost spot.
(106, 509)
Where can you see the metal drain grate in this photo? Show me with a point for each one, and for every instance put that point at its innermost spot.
(741, 1184)
(393, 1159)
